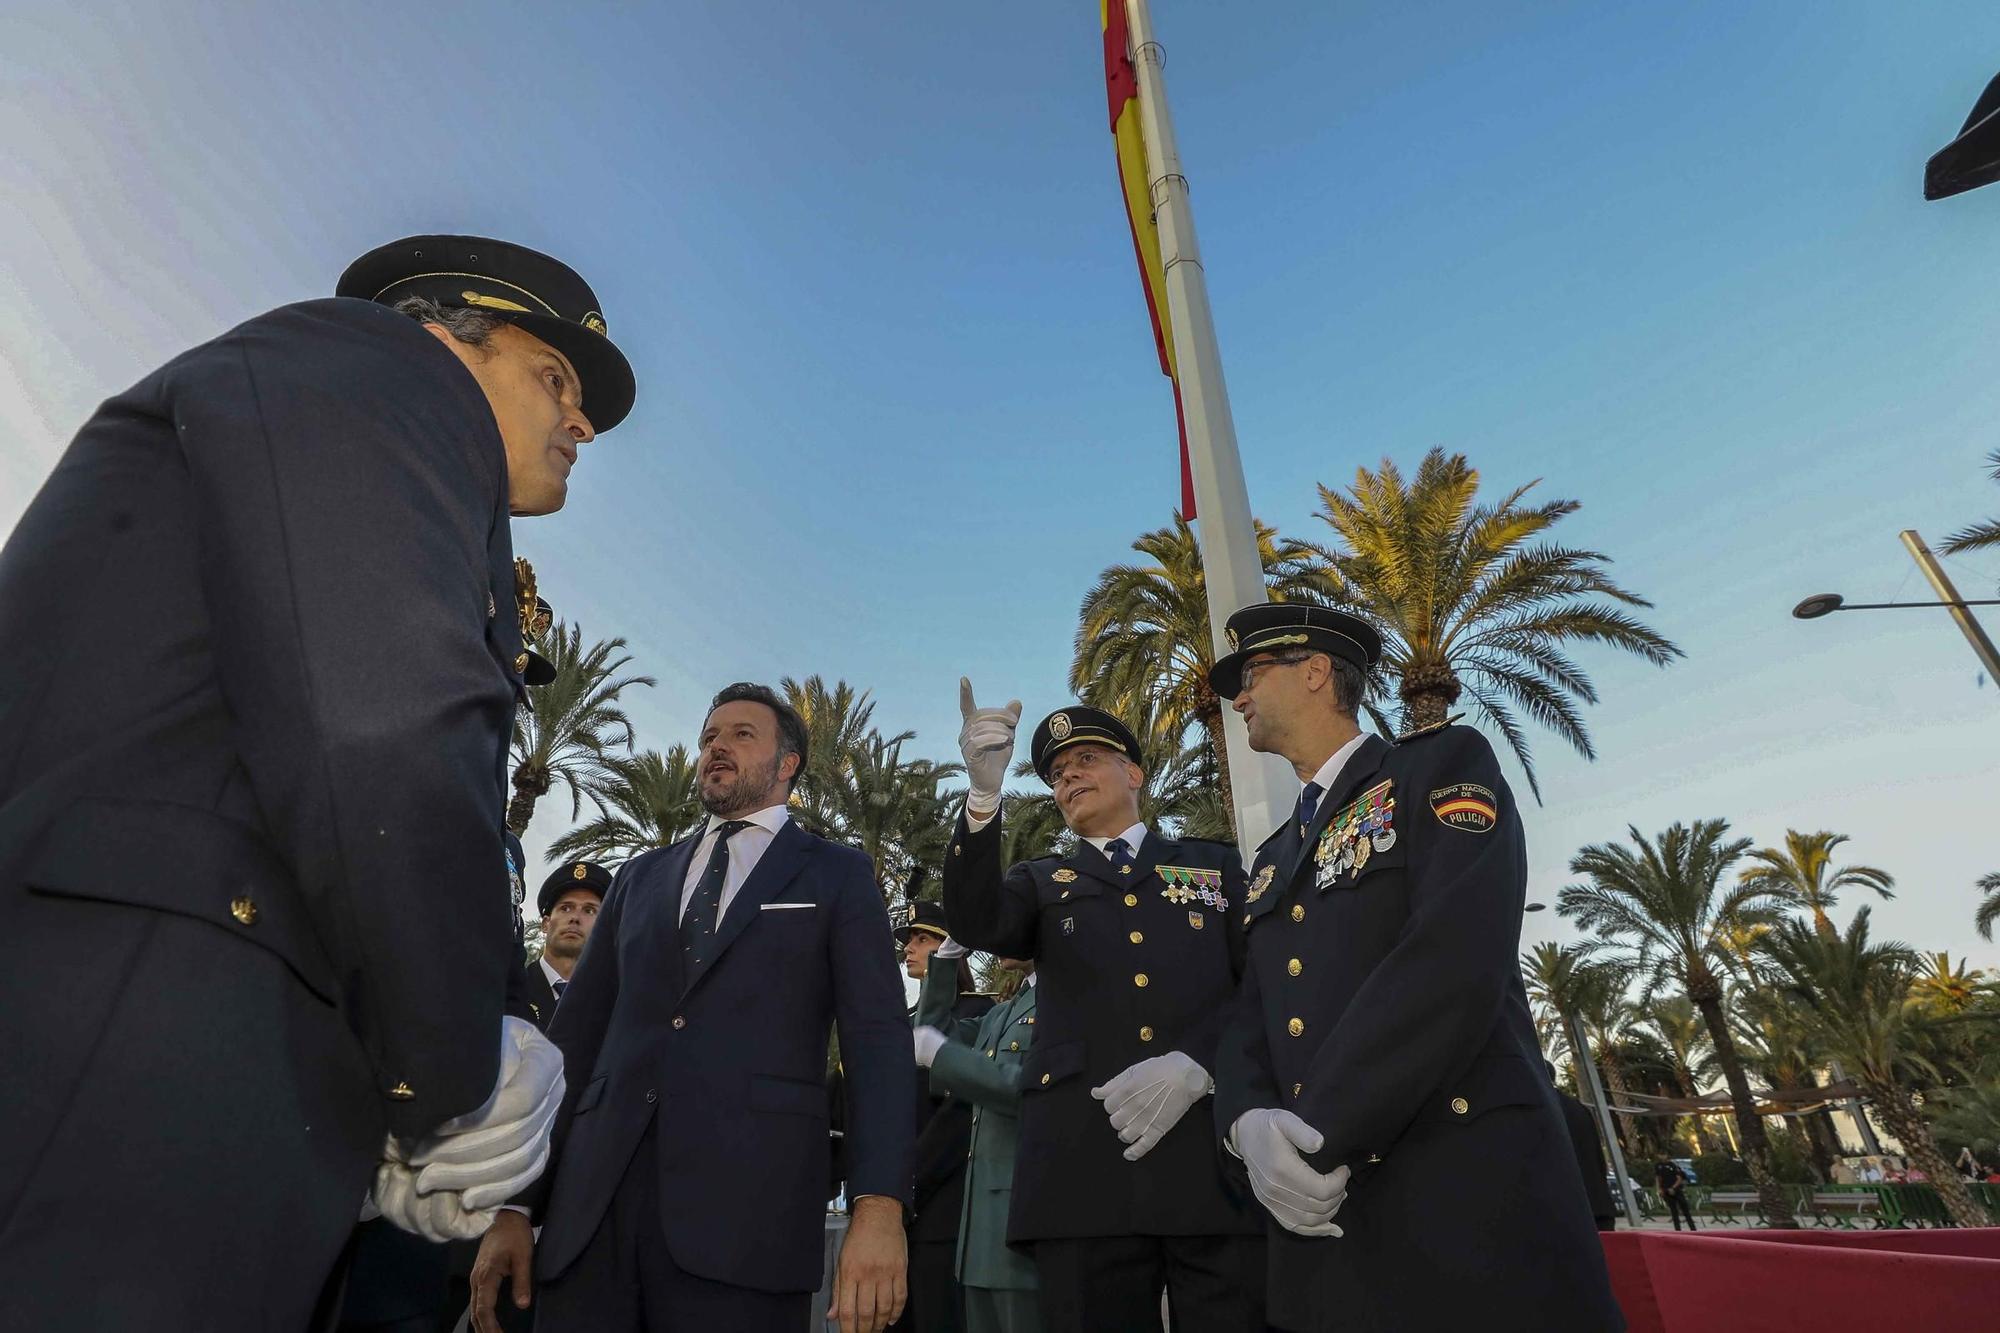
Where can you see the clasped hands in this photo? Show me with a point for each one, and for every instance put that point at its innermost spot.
(449, 1184)
(1273, 1144)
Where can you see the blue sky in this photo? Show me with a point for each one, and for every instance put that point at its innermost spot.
(898, 403)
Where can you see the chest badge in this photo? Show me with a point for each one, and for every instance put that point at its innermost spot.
(1064, 876)
(1354, 834)
(1069, 925)
(1196, 920)
(1191, 884)
(1262, 884)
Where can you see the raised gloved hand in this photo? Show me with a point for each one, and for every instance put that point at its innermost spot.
(929, 1041)
(987, 742)
(1149, 1099)
(951, 948)
(1271, 1144)
(446, 1185)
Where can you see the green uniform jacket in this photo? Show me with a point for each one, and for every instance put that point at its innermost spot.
(984, 1068)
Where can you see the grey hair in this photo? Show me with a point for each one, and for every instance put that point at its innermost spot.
(469, 326)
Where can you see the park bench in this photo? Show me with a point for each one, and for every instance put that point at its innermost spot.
(1723, 1204)
(1839, 1208)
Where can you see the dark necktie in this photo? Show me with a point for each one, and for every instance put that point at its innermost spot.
(558, 987)
(1120, 854)
(1308, 805)
(698, 922)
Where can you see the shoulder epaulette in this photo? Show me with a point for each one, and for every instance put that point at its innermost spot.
(1408, 736)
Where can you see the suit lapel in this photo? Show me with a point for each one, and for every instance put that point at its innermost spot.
(1359, 769)
(776, 868)
(1087, 860)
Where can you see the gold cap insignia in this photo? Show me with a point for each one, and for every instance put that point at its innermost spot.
(493, 302)
(1059, 727)
(595, 323)
(582, 871)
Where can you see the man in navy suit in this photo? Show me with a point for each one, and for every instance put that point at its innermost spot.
(684, 1191)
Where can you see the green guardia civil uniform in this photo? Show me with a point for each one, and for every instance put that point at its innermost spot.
(983, 1066)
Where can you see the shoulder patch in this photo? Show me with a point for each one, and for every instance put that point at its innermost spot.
(1418, 733)
(1466, 806)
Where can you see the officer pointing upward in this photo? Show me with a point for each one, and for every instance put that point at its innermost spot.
(1137, 942)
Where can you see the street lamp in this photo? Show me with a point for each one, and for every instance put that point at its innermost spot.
(1826, 603)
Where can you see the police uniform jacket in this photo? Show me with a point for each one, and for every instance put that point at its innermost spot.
(537, 995)
(251, 749)
(733, 1065)
(985, 1070)
(1383, 1004)
(1129, 966)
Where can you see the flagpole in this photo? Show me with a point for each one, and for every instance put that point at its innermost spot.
(1264, 786)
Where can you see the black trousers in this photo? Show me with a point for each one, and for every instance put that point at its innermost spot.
(625, 1281)
(1677, 1205)
(936, 1303)
(1213, 1284)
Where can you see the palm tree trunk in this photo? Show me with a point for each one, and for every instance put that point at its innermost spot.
(1704, 1141)
(1211, 722)
(1907, 1123)
(521, 806)
(1749, 1126)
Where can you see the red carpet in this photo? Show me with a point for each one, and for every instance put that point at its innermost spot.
(1824, 1281)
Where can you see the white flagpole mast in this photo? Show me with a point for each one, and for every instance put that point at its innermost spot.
(1264, 786)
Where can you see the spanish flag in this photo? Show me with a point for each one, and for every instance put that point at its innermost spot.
(1121, 84)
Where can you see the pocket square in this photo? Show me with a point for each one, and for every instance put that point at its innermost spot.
(785, 907)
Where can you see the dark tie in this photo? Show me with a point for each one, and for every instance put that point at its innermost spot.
(1120, 854)
(558, 987)
(699, 920)
(1308, 804)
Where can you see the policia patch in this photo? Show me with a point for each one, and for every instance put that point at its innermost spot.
(1465, 806)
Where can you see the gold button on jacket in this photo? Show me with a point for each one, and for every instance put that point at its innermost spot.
(244, 910)
(1297, 1027)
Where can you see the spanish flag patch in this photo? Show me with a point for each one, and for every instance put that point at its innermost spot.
(1465, 806)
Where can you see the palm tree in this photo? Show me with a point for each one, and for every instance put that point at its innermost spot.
(1803, 871)
(1989, 905)
(837, 728)
(1605, 1016)
(1674, 1022)
(645, 800)
(1663, 903)
(1472, 604)
(569, 725)
(891, 808)
(1143, 643)
(1980, 536)
(1786, 1051)
(1857, 995)
(1942, 988)
(1561, 983)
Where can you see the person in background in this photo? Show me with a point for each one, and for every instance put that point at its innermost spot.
(944, 1133)
(1673, 1192)
(568, 902)
(998, 1281)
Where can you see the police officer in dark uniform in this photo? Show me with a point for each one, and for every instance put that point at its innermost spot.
(1137, 941)
(944, 1132)
(251, 781)
(577, 887)
(1380, 1065)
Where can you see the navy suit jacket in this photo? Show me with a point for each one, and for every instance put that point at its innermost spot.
(734, 1066)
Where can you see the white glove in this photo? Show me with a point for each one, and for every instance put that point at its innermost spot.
(929, 1042)
(1303, 1200)
(951, 948)
(1150, 1098)
(987, 742)
(448, 1185)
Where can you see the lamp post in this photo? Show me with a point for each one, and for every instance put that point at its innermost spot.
(1826, 603)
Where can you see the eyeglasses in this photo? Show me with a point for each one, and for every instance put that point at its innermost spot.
(1255, 669)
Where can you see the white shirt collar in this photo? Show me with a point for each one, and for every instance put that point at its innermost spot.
(554, 976)
(771, 818)
(1134, 837)
(1329, 772)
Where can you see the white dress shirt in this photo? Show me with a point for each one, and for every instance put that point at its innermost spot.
(746, 848)
(1133, 837)
(1329, 772)
(555, 978)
